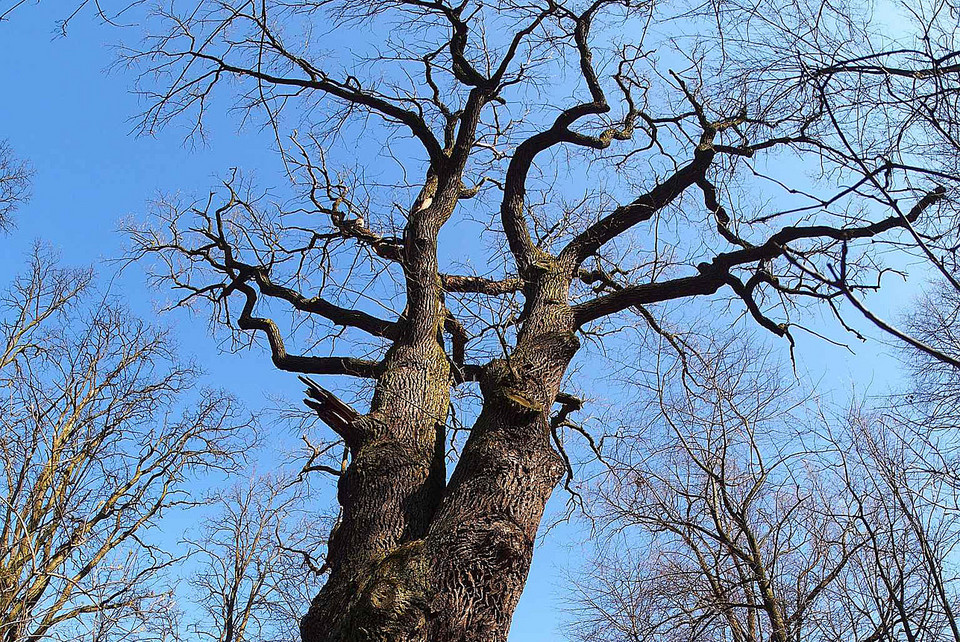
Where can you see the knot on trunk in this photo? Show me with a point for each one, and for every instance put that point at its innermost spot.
(527, 381)
(395, 592)
(387, 600)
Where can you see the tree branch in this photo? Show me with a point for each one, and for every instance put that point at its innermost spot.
(642, 209)
(350, 366)
(480, 285)
(344, 91)
(716, 274)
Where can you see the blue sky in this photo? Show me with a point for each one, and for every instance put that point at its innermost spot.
(71, 119)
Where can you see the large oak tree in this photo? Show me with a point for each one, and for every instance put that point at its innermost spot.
(483, 191)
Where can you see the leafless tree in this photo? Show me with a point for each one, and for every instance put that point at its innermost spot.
(743, 512)
(605, 155)
(256, 563)
(102, 429)
(902, 479)
(14, 184)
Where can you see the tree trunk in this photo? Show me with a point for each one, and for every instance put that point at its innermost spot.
(388, 493)
(451, 562)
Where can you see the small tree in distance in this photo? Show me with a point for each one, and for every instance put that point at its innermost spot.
(100, 435)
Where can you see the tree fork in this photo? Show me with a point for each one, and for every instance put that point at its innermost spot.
(461, 578)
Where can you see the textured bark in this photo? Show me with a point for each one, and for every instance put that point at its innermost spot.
(460, 580)
(480, 545)
(454, 567)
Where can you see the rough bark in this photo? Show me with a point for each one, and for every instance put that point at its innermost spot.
(455, 567)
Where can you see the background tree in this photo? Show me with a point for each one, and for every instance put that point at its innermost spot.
(14, 184)
(249, 558)
(101, 433)
(739, 511)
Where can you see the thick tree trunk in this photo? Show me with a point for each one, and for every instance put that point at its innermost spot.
(451, 563)
(481, 542)
(390, 490)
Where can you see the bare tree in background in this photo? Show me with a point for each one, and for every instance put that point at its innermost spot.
(101, 431)
(734, 536)
(740, 511)
(14, 184)
(251, 556)
(606, 155)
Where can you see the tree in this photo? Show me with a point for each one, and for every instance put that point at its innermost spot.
(457, 94)
(14, 184)
(249, 578)
(739, 511)
(99, 437)
(667, 163)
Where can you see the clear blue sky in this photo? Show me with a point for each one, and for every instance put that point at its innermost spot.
(64, 113)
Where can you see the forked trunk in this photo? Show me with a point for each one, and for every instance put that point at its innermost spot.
(458, 576)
